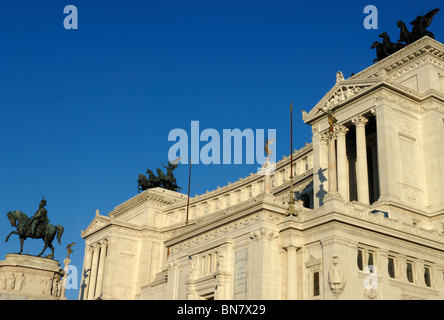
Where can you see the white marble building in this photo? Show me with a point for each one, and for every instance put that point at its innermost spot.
(370, 210)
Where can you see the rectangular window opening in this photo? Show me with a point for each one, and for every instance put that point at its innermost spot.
(316, 289)
(409, 271)
(391, 267)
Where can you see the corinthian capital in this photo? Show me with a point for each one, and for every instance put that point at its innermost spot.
(323, 137)
(341, 130)
(360, 121)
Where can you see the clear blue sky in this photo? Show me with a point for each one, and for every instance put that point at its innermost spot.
(83, 112)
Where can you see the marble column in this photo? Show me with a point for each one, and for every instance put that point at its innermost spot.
(361, 159)
(93, 277)
(323, 159)
(101, 267)
(342, 162)
(332, 182)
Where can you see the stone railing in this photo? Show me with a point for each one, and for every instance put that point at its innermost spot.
(365, 213)
(242, 190)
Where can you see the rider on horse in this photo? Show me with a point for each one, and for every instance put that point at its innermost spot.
(41, 216)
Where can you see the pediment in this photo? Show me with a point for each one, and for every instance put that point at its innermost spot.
(98, 223)
(343, 91)
(389, 70)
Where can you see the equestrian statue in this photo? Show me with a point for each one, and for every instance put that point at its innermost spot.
(36, 227)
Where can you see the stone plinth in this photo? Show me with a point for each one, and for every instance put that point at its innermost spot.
(25, 277)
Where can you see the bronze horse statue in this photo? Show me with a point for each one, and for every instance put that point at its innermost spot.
(419, 30)
(388, 46)
(380, 53)
(45, 231)
(404, 34)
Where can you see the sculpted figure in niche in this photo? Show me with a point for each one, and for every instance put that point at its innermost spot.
(21, 282)
(336, 278)
(11, 282)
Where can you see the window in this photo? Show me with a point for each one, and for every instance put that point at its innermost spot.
(316, 289)
(360, 260)
(371, 256)
(409, 271)
(427, 278)
(391, 267)
(367, 259)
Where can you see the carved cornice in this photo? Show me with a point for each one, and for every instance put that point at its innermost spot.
(252, 178)
(313, 263)
(201, 235)
(424, 46)
(264, 234)
(418, 102)
(117, 226)
(157, 198)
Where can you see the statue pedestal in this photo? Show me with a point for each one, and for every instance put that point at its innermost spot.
(25, 277)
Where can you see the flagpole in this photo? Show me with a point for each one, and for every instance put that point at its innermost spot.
(291, 211)
(291, 139)
(188, 200)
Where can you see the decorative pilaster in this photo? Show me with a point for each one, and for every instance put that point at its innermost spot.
(223, 273)
(290, 241)
(361, 159)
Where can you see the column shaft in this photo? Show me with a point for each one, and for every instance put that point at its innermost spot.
(342, 163)
(361, 159)
(332, 184)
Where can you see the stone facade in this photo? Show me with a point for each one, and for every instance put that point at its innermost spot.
(370, 209)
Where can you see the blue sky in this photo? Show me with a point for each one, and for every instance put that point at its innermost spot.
(83, 112)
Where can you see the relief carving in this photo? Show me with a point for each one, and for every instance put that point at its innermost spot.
(336, 279)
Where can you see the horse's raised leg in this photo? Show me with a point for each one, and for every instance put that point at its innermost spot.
(11, 233)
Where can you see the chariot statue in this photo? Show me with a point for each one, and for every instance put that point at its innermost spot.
(406, 37)
(166, 181)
